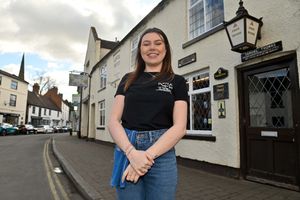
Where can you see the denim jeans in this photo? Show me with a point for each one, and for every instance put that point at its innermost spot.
(160, 182)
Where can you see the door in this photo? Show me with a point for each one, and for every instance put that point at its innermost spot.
(269, 123)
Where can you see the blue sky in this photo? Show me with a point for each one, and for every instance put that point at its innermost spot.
(53, 34)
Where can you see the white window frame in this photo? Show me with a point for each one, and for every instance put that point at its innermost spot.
(191, 92)
(117, 60)
(196, 32)
(13, 100)
(101, 106)
(14, 85)
(103, 76)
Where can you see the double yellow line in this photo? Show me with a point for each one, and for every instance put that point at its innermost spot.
(54, 183)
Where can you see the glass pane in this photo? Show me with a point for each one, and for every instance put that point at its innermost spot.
(201, 81)
(270, 103)
(201, 109)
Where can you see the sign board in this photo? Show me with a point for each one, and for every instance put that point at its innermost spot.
(187, 60)
(79, 80)
(270, 48)
(221, 91)
(75, 99)
(221, 74)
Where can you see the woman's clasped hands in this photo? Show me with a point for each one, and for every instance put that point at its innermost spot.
(140, 163)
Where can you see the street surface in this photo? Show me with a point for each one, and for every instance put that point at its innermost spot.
(27, 170)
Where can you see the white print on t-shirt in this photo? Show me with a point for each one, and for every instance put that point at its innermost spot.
(164, 87)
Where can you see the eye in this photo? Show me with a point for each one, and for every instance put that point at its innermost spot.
(146, 43)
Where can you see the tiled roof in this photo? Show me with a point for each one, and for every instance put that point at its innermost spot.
(41, 101)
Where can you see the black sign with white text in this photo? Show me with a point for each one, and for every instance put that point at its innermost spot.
(270, 48)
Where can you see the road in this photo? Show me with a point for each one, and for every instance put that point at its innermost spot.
(27, 168)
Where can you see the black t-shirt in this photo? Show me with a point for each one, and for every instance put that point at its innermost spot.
(149, 102)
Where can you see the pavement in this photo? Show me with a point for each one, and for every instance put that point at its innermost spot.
(89, 165)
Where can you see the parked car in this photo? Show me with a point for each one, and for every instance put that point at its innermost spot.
(8, 129)
(66, 129)
(57, 129)
(27, 129)
(44, 129)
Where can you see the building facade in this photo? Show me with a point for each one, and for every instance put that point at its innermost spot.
(243, 110)
(13, 97)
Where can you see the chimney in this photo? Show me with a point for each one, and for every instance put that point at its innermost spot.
(36, 88)
(54, 90)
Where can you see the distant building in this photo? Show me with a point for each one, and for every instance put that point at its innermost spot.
(13, 97)
(41, 110)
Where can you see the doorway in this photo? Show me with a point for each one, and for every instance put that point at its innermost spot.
(269, 120)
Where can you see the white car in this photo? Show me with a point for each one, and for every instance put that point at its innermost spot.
(44, 129)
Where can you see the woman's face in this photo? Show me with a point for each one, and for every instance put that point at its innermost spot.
(153, 49)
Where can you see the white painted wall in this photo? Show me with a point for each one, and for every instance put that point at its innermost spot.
(212, 52)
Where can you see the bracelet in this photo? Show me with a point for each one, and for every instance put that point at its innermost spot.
(129, 150)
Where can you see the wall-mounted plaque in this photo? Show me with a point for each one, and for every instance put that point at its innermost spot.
(221, 91)
(221, 109)
(221, 74)
(187, 60)
(270, 48)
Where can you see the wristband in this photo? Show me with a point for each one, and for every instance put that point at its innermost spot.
(129, 150)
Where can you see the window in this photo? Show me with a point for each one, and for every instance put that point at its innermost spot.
(204, 15)
(45, 111)
(0, 80)
(33, 109)
(134, 49)
(13, 100)
(199, 119)
(117, 60)
(103, 75)
(101, 105)
(14, 85)
(57, 113)
(49, 112)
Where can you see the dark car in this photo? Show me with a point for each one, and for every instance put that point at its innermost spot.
(27, 129)
(8, 129)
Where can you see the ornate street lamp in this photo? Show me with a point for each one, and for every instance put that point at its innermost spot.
(243, 30)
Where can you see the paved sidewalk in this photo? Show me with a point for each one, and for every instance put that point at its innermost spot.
(89, 165)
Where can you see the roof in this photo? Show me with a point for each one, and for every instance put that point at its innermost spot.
(41, 101)
(12, 76)
(160, 6)
(108, 44)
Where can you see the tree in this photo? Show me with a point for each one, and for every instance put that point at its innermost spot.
(45, 83)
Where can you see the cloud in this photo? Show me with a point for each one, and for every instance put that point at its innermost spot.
(57, 30)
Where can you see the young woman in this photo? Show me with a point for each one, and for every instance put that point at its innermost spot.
(151, 105)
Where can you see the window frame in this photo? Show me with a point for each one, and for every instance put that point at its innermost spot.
(14, 85)
(191, 34)
(189, 79)
(13, 102)
(101, 109)
(103, 76)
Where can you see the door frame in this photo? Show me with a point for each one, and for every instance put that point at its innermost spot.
(243, 114)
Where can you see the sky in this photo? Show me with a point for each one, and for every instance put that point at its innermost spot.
(53, 34)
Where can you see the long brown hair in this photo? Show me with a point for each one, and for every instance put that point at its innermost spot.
(166, 70)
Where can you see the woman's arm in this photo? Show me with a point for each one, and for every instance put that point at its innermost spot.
(170, 138)
(140, 160)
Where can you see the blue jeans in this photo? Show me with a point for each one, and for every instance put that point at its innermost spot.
(160, 182)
